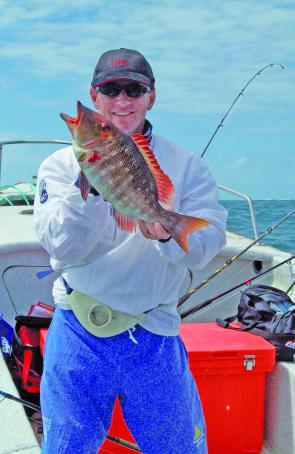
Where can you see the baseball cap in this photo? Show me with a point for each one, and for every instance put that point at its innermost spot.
(123, 64)
(98, 318)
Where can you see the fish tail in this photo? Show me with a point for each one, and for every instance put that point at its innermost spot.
(181, 226)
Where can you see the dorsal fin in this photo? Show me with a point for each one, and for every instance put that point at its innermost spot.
(164, 184)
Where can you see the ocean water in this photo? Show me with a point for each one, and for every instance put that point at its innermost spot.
(268, 213)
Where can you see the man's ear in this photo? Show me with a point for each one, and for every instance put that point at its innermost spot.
(93, 94)
(152, 99)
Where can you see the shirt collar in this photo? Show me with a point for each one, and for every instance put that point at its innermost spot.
(147, 131)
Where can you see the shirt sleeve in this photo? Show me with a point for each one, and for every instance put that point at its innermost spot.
(69, 228)
(199, 198)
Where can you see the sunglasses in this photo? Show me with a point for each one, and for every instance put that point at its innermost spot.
(133, 90)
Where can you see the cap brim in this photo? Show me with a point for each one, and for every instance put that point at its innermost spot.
(99, 319)
(124, 75)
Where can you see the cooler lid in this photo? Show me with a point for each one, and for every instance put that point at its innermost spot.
(211, 346)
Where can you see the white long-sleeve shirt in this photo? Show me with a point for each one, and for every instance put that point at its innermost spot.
(126, 271)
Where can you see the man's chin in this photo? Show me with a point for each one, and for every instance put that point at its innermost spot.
(125, 125)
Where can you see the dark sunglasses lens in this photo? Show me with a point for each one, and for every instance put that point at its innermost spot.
(109, 89)
(135, 90)
(131, 90)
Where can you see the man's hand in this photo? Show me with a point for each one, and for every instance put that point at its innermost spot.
(153, 231)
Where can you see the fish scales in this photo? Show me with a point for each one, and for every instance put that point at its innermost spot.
(130, 183)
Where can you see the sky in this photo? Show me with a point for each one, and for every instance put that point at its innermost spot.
(202, 53)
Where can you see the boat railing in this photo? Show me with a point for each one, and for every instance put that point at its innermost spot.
(250, 204)
(17, 142)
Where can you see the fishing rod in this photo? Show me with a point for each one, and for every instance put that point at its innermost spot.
(236, 99)
(235, 257)
(229, 262)
(245, 282)
(28, 404)
(291, 286)
(21, 401)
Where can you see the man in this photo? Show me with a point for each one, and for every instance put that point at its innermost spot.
(115, 329)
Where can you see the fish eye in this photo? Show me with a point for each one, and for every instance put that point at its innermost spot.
(105, 127)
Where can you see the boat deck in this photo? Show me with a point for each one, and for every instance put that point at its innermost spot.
(21, 257)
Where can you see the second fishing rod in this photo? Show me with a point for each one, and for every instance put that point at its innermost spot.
(248, 281)
(228, 262)
(37, 408)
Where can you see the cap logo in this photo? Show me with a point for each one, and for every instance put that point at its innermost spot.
(120, 62)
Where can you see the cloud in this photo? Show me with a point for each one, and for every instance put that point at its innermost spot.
(189, 41)
(202, 53)
(238, 163)
(6, 84)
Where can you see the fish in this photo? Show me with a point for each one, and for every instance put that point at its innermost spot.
(124, 171)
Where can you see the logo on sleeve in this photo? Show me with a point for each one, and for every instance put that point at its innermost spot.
(199, 436)
(43, 192)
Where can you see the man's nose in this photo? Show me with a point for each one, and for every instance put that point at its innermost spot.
(122, 96)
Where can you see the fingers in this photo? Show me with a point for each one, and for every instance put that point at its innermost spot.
(152, 231)
(161, 232)
(146, 229)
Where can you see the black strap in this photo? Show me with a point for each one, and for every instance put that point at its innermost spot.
(165, 241)
(33, 322)
(226, 323)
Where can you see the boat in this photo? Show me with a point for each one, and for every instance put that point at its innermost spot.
(22, 257)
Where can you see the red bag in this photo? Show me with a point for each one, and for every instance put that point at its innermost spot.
(26, 345)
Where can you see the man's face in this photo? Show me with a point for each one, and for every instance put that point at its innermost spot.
(125, 112)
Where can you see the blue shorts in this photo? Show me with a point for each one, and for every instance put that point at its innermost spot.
(84, 374)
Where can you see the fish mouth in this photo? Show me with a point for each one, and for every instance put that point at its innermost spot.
(72, 121)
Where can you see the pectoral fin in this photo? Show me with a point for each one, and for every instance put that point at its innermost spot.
(124, 222)
(84, 186)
